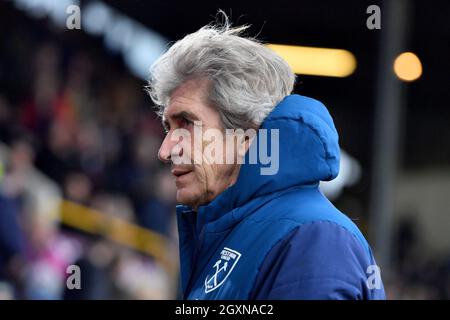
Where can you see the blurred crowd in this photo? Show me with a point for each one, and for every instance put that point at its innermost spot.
(416, 273)
(75, 126)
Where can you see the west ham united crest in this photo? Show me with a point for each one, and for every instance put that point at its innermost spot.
(221, 269)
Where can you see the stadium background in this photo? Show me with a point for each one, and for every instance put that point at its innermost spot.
(80, 182)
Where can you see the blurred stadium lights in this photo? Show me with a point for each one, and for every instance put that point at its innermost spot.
(56, 10)
(407, 67)
(317, 61)
(349, 174)
(139, 45)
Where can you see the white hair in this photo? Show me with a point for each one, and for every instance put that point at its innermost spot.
(247, 79)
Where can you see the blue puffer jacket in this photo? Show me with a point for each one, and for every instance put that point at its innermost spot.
(277, 236)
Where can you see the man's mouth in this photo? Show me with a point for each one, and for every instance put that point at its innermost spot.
(180, 172)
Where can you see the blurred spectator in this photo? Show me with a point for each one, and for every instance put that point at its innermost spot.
(44, 103)
(26, 184)
(78, 188)
(97, 281)
(49, 253)
(157, 211)
(11, 247)
(58, 154)
(7, 124)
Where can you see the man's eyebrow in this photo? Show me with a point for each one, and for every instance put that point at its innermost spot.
(178, 115)
(184, 114)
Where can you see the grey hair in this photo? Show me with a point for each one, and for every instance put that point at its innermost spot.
(246, 79)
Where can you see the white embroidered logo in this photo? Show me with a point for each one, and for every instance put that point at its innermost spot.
(222, 269)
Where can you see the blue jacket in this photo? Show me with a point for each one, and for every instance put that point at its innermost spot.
(277, 236)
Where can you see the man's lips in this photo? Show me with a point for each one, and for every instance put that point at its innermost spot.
(180, 172)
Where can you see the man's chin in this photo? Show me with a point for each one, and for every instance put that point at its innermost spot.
(186, 197)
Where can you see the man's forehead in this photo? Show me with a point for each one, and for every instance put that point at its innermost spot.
(177, 110)
(187, 98)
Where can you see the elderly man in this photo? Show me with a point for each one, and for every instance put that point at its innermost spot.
(246, 233)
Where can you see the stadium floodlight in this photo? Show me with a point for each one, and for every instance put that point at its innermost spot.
(317, 61)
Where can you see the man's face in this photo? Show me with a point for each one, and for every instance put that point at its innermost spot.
(198, 180)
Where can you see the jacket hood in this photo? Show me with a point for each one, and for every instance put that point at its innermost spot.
(308, 152)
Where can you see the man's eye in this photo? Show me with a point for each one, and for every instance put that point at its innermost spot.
(186, 122)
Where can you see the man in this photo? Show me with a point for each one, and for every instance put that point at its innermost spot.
(249, 231)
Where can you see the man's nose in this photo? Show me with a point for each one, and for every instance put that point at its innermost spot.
(167, 149)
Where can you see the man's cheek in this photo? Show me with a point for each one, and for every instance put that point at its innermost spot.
(195, 185)
(200, 174)
(196, 153)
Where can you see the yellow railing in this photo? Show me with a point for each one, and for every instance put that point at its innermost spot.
(120, 231)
